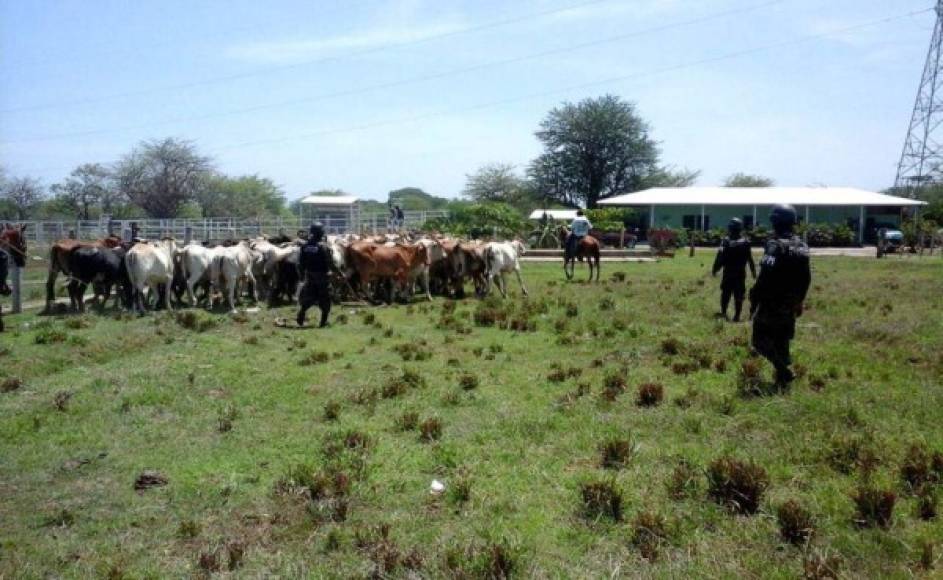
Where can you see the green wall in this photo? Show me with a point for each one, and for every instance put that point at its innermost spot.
(672, 216)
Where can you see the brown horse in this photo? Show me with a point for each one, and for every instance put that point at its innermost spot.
(13, 243)
(588, 248)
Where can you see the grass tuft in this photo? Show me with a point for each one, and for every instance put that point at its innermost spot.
(602, 499)
(683, 481)
(10, 384)
(671, 346)
(796, 524)
(408, 421)
(468, 381)
(430, 430)
(875, 506)
(315, 357)
(332, 410)
(649, 533)
(737, 485)
(195, 320)
(650, 395)
(616, 453)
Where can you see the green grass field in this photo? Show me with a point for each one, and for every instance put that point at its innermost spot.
(310, 453)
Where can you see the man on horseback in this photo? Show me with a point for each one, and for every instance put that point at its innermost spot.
(579, 229)
(733, 257)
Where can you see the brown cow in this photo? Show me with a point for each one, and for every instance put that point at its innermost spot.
(59, 261)
(474, 264)
(372, 261)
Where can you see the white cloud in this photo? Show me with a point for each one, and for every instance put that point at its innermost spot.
(299, 50)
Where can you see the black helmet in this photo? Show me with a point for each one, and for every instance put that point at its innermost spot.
(316, 231)
(783, 216)
(735, 226)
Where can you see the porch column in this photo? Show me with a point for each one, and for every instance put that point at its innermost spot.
(754, 217)
(703, 228)
(651, 218)
(861, 225)
(805, 236)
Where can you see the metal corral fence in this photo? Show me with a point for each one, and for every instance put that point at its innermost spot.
(216, 228)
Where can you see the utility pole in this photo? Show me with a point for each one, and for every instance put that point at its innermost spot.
(921, 162)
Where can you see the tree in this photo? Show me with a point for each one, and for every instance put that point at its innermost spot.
(245, 196)
(87, 187)
(746, 180)
(593, 149)
(21, 196)
(161, 176)
(668, 177)
(499, 182)
(480, 220)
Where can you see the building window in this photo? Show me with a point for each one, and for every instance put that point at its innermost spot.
(693, 222)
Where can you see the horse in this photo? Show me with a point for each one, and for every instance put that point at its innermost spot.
(12, 243)
(588, 247)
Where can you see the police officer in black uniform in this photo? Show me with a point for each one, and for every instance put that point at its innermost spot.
(733, 257)
(776, 298)
(315, 264)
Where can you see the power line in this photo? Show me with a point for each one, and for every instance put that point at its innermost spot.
(407, 81)
(285, 67)
(497, 103)
(610, 80)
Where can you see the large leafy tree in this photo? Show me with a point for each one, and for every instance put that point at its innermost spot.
(162, 176)
(499, 182)
(747, 180)
(86, 189)
(244, 196)
(594, 149)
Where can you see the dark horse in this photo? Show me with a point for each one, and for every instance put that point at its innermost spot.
(588, 248)
(12, 244)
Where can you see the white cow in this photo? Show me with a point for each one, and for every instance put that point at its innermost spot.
(196, 261)
(231, 266)
(501, 258)
(151, 265)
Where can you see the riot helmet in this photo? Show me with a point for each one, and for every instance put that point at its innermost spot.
(783, 217)
(735, 227)
(316, 231)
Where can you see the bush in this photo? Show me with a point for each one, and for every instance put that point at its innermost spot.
(795, 522)
(736, 484)
(875, 506)
(602, 499)
(649, 531)
(616, 453)
(650, 395)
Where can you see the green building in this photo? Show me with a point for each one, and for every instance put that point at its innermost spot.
(704, 208)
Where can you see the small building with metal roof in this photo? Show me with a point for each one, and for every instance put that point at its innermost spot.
(703, 208)
(338, 213)
(554, 214)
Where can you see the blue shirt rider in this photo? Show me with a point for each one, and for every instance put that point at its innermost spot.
(578, 230)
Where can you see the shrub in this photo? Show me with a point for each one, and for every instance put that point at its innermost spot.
(736, 484)
(430, 430)
(649, 531)
(468, 381)
(796, 525)
(875, 506)
(616, 453)
(650, 395)
(601, 499)
(407, 421)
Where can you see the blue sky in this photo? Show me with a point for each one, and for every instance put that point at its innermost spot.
(370, 95)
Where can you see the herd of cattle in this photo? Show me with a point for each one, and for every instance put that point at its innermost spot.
(148, 274)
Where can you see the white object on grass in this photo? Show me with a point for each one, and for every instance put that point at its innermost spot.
(436, 487)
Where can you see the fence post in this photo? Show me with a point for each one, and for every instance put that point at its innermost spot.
(17, 288)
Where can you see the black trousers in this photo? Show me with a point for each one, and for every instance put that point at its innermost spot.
(315, 291)
(736, 288)
(771, 337)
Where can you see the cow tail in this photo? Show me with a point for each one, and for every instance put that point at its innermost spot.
(489, 259)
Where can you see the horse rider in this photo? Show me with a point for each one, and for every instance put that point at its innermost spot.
(733, 257)
(579, 229)
(315, 264)
(776, 300)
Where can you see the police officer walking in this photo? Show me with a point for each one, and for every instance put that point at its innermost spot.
(776, 298)
(733, 257)
(315, 264)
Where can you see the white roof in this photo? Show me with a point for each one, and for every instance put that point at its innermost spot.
(329, 200)
(758, 196)
(557, 214)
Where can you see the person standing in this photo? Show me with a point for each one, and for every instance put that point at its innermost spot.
(315, 265)
(400, 218)
(776, 300)
(733, 257)
(579, 229)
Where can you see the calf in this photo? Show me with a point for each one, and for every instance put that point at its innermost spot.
(500, 258)
(151, 265)
(102, 268)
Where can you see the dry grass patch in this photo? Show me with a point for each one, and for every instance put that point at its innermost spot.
(737, 485)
